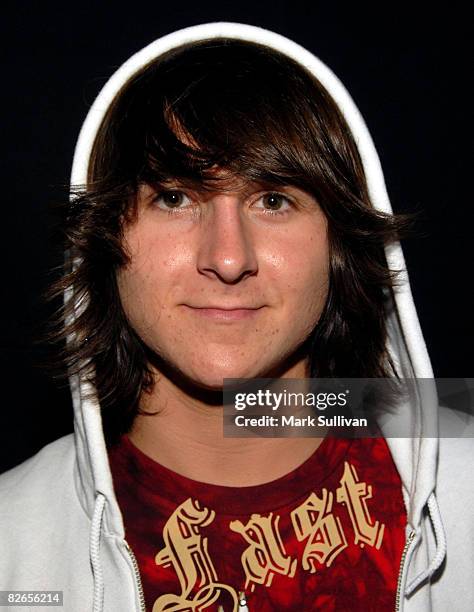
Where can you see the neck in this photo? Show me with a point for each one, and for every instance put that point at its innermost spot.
(185, 434)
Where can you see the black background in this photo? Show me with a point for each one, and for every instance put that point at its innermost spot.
(407, 70)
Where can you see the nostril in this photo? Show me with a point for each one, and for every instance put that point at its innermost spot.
(228, 276)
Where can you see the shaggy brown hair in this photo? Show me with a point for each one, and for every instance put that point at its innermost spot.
(259, 115)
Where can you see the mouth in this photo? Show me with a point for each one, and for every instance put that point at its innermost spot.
(216, 313)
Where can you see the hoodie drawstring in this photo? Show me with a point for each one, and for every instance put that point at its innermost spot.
(441, 546)
(94, 553)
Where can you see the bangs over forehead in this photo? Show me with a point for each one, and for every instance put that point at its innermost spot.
(225, 104)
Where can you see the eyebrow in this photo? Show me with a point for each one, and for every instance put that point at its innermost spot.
(213, 185)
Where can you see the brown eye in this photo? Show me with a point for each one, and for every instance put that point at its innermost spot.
(273, 201)
(167, 200)
(273, 204)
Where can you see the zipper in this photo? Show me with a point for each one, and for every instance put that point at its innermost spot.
(242, 604)
(242, 601)
(138, 580)
(398, 595)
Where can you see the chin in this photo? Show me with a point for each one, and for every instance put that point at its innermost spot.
(216, 380)
(210, 373)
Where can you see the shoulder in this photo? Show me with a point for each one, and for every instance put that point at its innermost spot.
(51, 461)
(34, 490)
(455, 496)
(41, 518)
(454, 483)
(42, 522)
(456, 439)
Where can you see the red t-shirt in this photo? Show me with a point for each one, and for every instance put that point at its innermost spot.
(328, 536)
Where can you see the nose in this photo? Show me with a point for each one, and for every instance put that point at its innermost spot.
(226, 249)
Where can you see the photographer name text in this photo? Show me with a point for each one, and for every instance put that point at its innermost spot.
(293, 421)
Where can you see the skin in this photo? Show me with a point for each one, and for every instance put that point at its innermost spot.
(222, 283)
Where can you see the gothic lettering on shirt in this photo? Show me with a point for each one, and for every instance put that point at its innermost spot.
(265, 555)
(186, 549)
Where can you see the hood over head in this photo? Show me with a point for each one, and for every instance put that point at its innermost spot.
(415, 457)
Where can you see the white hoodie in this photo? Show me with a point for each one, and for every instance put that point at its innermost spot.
(60, 524)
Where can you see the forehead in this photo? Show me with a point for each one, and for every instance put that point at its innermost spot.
(216, 180)
(186, 124)
(175, 124)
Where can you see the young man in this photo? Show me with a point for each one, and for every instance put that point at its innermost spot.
(229, 221)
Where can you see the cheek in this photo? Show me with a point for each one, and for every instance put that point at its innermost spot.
(316, 269)
(146, 283)
(133, 290)
(303, 268)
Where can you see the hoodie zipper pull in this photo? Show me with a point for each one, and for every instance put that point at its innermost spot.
(242, 604)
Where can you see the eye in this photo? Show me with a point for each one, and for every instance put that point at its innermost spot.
(172, 200)
(273, 203)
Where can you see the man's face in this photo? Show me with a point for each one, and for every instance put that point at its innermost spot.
(225, 283)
